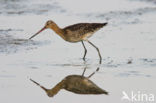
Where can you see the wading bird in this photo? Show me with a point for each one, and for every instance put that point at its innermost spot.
(75, 33)
(75, 83)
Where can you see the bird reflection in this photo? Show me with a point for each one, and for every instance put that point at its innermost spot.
(78, 84)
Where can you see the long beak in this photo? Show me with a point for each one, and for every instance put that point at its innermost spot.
(38, 84)
(38, 32)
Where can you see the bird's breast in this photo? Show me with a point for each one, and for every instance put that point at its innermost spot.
(73, 36)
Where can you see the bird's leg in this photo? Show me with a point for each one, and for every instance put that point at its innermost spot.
(84, 71)
(85, 51)
(97, 50)
(93, 72)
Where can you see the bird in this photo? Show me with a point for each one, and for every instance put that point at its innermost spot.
(78, 84)
(79, 32)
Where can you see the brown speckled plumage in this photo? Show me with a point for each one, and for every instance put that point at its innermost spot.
(81, 31)
(75, 33)
(75, 83)
(82, 85)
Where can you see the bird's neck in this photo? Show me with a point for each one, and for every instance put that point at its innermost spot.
(58, 30)
(56, 89)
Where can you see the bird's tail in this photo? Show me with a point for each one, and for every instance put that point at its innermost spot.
(105, 92)
(104, 24)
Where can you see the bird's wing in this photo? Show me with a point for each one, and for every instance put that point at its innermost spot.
(83, 28)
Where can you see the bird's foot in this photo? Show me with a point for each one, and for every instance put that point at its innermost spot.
(84, 59)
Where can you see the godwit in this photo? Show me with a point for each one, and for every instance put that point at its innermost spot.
(75, 83)
(75, 33)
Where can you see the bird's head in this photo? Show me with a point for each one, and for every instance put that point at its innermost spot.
(49, 24)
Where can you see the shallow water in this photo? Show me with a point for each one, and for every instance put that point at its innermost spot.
(127, 45)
